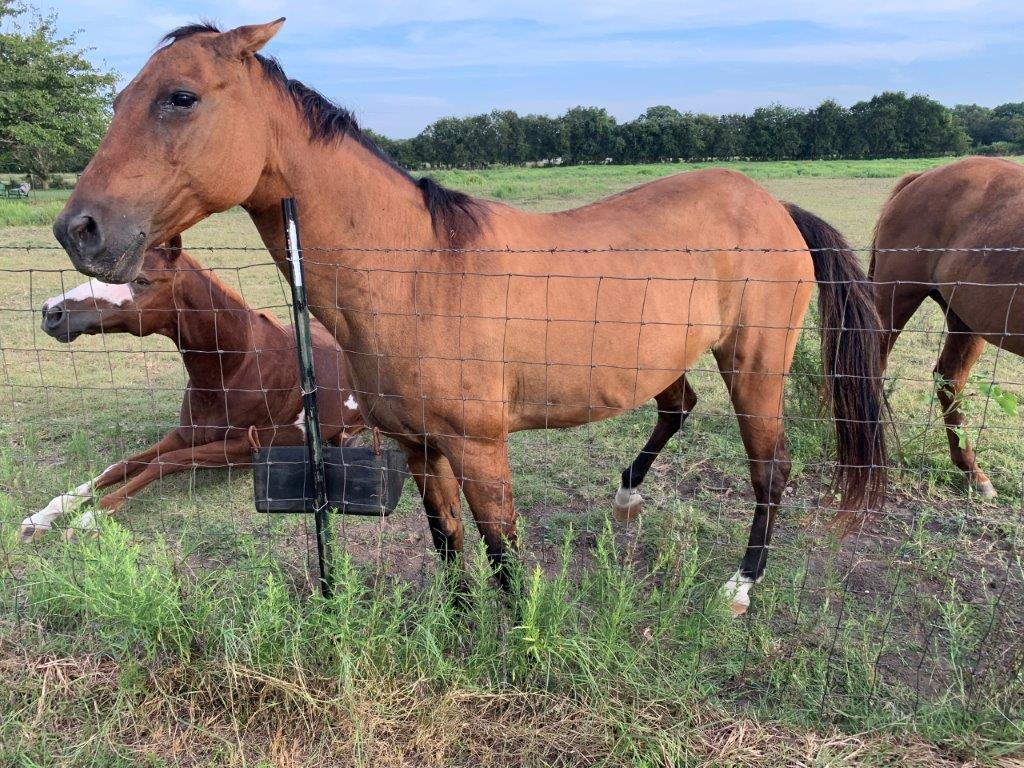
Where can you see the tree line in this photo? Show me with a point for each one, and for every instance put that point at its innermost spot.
(55, 105)
(891, 124)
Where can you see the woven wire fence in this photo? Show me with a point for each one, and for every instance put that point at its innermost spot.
(926, 597)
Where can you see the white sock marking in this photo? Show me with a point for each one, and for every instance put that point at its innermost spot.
(300, 420)
(66, 502)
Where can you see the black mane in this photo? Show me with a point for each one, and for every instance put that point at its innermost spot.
(455, 215)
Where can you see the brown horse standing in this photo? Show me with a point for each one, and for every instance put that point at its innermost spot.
(242, 372)
(461, 319)
(954, 212)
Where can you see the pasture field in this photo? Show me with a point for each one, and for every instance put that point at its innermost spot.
(185, 634)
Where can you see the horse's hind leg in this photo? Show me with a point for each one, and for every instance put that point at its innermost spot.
(958, 356)
(440, 493)
(757, 399)
(674, 405)
(896, 303)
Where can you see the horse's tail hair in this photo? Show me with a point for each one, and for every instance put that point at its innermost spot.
(850, 338)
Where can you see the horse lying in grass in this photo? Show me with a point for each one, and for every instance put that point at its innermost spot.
(953, 213)
(464, 320)
(242, 372)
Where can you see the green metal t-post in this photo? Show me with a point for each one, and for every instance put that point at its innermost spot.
(307, 383)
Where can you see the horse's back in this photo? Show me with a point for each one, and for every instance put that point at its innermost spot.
(970, 203)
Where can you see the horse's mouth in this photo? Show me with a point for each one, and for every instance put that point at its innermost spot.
(127, 266)
(109, 268)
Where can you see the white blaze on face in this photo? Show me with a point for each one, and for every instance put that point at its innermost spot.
(351, 403)
(113, 293)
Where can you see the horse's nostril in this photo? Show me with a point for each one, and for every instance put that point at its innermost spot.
(85, 234)
(53, 316)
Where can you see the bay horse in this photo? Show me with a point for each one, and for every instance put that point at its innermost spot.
(953, 213)
(464, 320)
(242, 372)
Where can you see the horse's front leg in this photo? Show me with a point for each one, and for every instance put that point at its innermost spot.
(35, 525)
(481, 467)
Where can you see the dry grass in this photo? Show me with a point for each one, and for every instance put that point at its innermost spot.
(187, 720)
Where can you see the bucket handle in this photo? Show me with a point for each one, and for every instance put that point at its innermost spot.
(254, 438)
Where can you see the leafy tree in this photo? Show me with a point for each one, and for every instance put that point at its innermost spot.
(509, 136)
(445, 142)
(878, 126)
(826, 131)
(774, 133)
(929, 129)
(893, 125)
(590, 134)
(1009, 123)
(543, 137)
(730, 137)
(977, 121)
(54, 103)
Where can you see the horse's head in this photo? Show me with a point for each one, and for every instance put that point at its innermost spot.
(184, 142)
(145, 305)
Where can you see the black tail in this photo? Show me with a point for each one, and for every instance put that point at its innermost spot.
(850, 337)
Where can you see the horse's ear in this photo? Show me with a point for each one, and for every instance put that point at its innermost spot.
(243, 42)
(172, 248)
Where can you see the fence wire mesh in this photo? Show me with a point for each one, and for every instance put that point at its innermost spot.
(920, 607)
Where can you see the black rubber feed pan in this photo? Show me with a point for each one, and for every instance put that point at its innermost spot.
(360, 481)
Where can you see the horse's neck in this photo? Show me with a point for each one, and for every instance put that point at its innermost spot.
(348, 199)
(214, 331)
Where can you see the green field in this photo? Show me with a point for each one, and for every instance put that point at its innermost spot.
(185, 632)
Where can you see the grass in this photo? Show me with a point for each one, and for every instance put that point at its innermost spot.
(187, 632)
(38, 210)
(562, 187)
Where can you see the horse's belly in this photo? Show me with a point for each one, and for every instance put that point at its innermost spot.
(574, 373)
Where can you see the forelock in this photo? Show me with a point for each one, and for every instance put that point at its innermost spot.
(189, 30)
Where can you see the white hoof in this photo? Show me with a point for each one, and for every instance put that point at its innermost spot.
(85, 524)
(737, 591)
(986, 490)
(628, 504)
(31, 531)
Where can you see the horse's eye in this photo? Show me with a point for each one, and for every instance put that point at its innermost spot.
(183, 99)
(141, 281)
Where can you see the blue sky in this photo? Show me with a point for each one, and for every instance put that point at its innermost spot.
(400, 64)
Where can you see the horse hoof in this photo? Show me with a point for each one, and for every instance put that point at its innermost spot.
(986, 490)
(628, 503)
(739, 608)
(30, 533)
(737, 591)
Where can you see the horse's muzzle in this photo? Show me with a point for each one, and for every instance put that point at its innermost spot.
(109, 251)
(66, 326)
